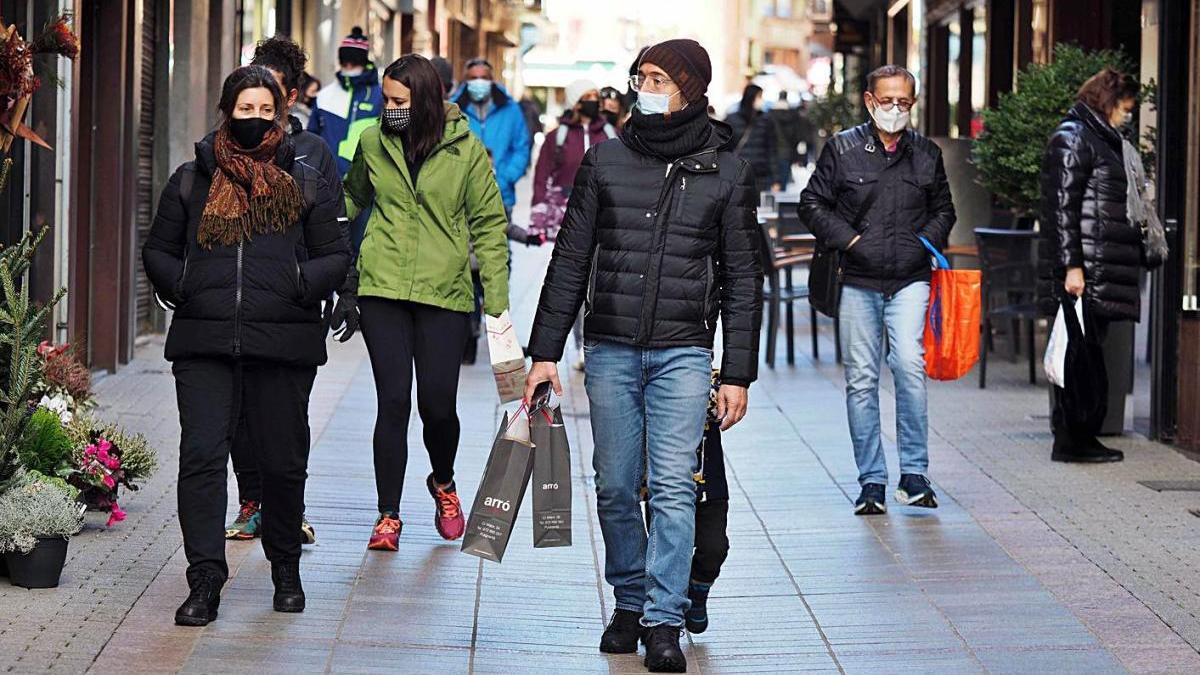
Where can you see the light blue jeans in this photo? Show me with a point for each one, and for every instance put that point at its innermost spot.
(647, 409)
(865, 315)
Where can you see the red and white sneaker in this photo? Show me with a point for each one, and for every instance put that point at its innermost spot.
(386, 535)
(449, 518)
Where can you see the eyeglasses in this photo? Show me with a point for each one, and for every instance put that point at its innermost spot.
(886, 103)
(653, 83)
(609, 93)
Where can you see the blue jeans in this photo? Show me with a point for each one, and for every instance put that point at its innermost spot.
(647, 409)
(865, 315)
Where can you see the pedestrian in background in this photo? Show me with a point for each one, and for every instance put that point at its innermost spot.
(754, 137)
(498, 121)
(286, 60)
(785, 121)
(446, 73)
(660, 239)
(1091, 249)
(245, 244)
(612, 107)
(348, 106)
(580, 127)
(434, 193)
(878, 189)
(309, 87)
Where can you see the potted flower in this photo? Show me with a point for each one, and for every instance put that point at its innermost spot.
(38, 516)
(106, 459)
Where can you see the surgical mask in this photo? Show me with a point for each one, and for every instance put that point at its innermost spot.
(654, 104)
(890, 121)
(589, 109)
(396, 120)
(479, 89)
(353, 71)
(1127, 119)
(249, 131)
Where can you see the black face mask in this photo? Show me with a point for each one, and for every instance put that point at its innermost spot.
(589, 109)
(249, 131)
(396, 120)
(610, 117)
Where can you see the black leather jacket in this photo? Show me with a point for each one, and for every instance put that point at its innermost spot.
(1084, 219)
(657, 251)
(914, 201)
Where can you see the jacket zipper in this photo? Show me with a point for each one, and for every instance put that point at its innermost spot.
(591, 287)
(659, 238)
(708, 279)
(237, 306)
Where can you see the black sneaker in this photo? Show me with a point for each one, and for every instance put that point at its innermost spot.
(872, 501)
(663, 654)
(696, 618)
(202, 602)
(289, 594)
(914, 490)
(621, 636)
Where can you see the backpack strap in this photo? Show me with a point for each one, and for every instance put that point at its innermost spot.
(560, 135)
(610, 131)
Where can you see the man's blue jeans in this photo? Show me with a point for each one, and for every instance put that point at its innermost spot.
(865, 315)
(648, 408)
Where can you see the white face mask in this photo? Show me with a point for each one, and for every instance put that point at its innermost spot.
(654, 104)
(1127, 119)
(352, 72)
(890, 121)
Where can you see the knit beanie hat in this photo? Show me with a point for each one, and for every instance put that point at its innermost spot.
(686, 62)
(577, 89)
(355, 49)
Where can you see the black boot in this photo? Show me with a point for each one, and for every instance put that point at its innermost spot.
(621, 636)
(201, 605)
(289, 594)
(663, 654)
(1090, 451)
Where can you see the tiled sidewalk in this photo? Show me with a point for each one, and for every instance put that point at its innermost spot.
(1028, 567)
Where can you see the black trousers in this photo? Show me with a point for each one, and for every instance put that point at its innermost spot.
(399, 336)
(273, 399)
(245, 468)
(712, 543)
(1058, 416)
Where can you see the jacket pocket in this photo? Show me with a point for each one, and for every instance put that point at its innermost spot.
(178, 290)
(591, 287)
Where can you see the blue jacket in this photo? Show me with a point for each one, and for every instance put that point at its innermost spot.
(503, 132)
(344, 108)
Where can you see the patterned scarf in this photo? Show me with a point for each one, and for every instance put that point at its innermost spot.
(250, 194)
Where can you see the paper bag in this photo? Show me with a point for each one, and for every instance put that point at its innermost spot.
(508, 361)
(551, 478)
(505, 478)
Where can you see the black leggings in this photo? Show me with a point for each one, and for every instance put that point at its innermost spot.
(712, 543)
(400, 334)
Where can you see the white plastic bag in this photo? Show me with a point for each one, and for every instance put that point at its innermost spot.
(1055, 361)
(508, 361)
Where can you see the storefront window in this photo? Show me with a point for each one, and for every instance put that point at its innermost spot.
(258, 22)
(953, 83)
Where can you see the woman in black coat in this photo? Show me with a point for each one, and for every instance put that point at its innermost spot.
(1090, 248)
(754, 137)
(246, 243)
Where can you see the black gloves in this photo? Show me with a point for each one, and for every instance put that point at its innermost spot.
(535, 239)
(343, 318)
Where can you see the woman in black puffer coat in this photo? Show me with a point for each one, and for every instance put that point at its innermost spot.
(754, 137)
(1090, 249)
(245, 244)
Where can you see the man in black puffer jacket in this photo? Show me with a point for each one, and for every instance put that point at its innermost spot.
(659, 240)
(878, 190)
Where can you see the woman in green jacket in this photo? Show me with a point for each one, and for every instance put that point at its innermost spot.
(433, 191)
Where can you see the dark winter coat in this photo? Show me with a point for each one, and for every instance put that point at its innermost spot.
(1084, 219)
(658, 251)
(312, 150)
(758, 148)
(788, 133)
(558, 163)
(260, 299)
(914, 201)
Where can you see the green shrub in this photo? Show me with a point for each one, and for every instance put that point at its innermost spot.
(836, 111)
(1009, 152)
(45, 446)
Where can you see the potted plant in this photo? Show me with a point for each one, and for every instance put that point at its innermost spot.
(1008, 153)
(105, 460)
(37, 518)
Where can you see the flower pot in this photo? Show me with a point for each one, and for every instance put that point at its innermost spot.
(41, 567)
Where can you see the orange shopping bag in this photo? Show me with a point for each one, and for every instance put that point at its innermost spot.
(952, 323)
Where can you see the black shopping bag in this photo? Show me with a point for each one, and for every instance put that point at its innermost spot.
(1084, 400)
(498, 499)
(551, 478)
